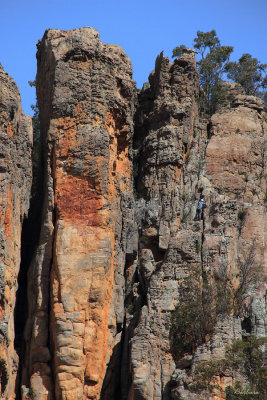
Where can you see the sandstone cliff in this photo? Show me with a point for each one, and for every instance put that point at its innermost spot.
(85, 94)
(122, 171)
(15, 183)
(180, 160)
(234, 185)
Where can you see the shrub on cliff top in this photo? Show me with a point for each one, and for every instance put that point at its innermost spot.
(210, 67)
(249, 73)
(214, 64)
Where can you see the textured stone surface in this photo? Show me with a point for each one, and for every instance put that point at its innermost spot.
(15, 185)
(224, 161)
(85, 94)
(170, 141)
(165, 136)
(234, 187)
(112, 258)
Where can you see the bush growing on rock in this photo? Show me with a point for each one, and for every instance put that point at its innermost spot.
(193, 320)
(250, 276)
(214, 65)
(249, 73)
(203, 302)
(244, 359)
(210, 67)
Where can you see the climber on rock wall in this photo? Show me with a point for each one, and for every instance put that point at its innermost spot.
(200, 207)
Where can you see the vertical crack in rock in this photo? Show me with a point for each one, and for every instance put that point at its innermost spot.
(29, 240)
(37, 367)
(15, 186)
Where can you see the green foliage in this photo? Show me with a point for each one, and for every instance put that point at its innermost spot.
(214, 57)
(202, 303)
(214, 64)
(249, 73)
(178, 51)
(205, 375)
(247, 358)
(250, 275)
(244, 357)
(204, 41)
(193, 321)
(31, 394)
(198, 246)
(131, 308)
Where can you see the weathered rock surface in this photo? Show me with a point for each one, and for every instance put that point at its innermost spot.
(15, 188)
(112, 259)
(166, 137)
(180, 161)
(85, 94)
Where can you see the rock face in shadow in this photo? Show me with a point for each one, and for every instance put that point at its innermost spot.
(15, 188)
(85, 94)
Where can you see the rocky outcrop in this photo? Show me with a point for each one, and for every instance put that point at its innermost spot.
(165, 136)
(85, 94)
(15, 183)
(169, 140)
(180, 160)
(234, 230)
(118, 241)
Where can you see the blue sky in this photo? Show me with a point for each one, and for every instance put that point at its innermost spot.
(143, 28)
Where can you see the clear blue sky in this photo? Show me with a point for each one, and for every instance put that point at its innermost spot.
(143, 28)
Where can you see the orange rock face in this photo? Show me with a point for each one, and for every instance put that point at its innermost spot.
(15, 184)
(87, 113)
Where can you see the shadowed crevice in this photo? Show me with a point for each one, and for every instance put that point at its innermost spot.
(29, 240)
